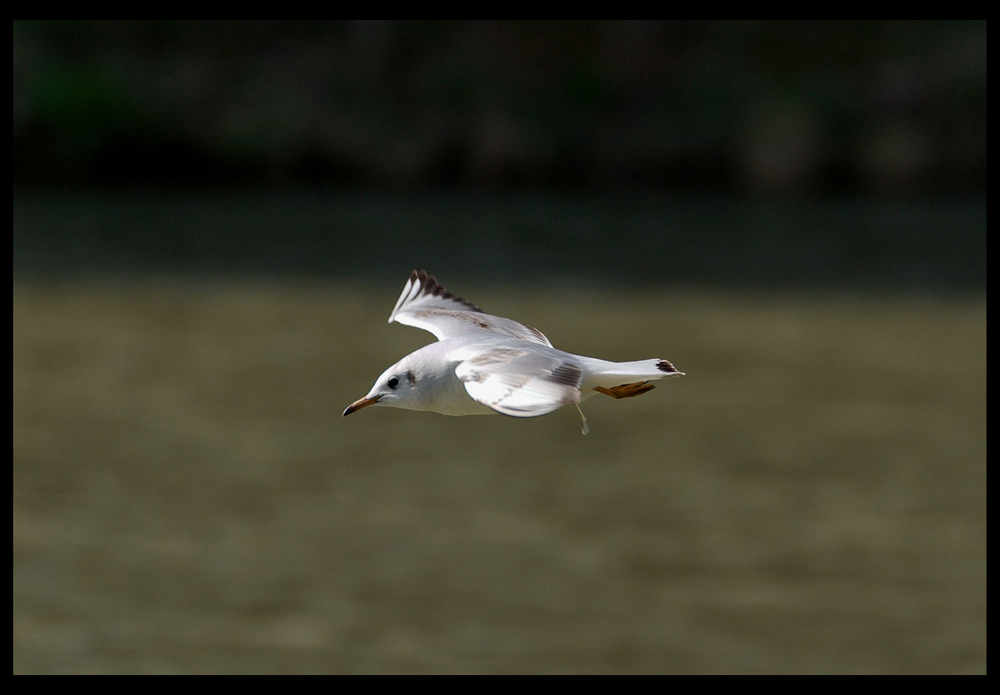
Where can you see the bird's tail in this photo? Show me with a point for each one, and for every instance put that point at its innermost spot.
(627, 379)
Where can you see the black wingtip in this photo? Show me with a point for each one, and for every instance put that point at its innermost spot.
(429, 285)
(665, 366)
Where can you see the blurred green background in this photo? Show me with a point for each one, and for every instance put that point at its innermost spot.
(211, 221)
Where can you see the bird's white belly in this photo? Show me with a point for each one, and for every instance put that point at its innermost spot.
(449, 397)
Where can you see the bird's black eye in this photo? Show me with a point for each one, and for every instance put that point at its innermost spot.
(393, 382)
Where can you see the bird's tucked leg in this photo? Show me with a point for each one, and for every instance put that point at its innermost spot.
(626, 390)
(585, 427)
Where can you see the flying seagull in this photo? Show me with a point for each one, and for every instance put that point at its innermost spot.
(486, 364)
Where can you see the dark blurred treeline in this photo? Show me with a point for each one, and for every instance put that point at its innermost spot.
(888, 108)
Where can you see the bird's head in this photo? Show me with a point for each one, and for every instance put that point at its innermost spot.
(396, 388)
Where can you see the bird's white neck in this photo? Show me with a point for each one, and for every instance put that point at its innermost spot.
(443, 392)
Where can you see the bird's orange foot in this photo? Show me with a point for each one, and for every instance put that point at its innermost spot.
(626, 390)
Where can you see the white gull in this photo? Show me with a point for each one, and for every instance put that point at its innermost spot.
(488, 364)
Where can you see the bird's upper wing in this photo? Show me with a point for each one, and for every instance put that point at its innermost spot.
(425, 304)
(524, 381)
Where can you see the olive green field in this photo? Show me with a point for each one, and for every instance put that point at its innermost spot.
(809, 498)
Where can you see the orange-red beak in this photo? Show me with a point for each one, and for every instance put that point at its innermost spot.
(359, 404)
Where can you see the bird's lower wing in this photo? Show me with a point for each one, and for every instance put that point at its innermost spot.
(522, 382)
